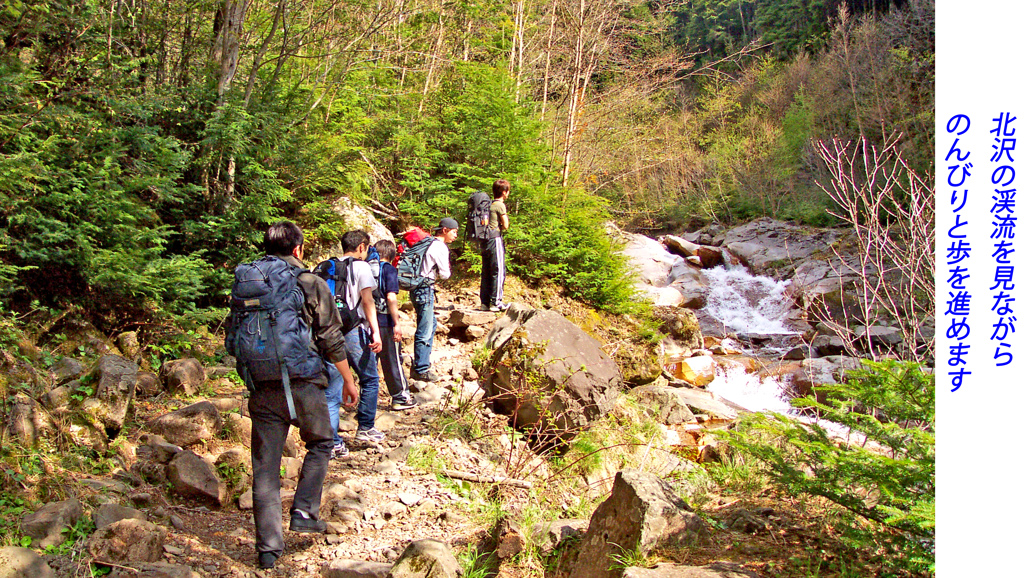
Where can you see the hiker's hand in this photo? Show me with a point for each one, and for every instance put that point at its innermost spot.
(376, 345)
(349, 393)
(398, 334)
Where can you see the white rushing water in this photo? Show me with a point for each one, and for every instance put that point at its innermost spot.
(747, 303)
(753, 304)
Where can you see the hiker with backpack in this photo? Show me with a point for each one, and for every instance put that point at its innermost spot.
(422, 265)
(283, 325)
(354, 288)
(390, 332)
(491, 219)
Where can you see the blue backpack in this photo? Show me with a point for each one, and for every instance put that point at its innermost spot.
(267, 332)
(336, 272)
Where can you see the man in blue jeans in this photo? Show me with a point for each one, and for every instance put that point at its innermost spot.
(361, 344)
(435, 268)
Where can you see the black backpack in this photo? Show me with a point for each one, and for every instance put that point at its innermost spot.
(337, 274)
(267, 332)
(411, 263)
(478, 210)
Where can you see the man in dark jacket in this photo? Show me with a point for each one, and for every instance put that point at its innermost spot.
(269, 407)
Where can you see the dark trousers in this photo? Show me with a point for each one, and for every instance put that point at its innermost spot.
(391, 362)
(492, 276)
(269, 412)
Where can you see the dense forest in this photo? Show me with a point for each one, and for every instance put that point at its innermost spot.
(145, 145)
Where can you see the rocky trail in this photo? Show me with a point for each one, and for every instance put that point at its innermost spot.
(164, 491)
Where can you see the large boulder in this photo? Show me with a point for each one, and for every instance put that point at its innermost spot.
(128, 541)
(46, 525)
(769, 245)
(192, 476)
(357, 217)
(547, 370)
(188, 425)
(115, 379)
(642, 513)
(18, 562)
(426, 559)
(183, 375)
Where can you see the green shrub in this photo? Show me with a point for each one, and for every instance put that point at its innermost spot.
(883, 472)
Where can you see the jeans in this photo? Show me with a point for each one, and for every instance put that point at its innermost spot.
(363, 364)
(269, 412)
(391, 362)
(426, 325)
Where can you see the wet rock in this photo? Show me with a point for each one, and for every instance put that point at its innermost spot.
(797, 353)
(183, 375)
(643, 512)
(188, 425)
(825, 345)
(711, 257)
(578, 379)
(426, 559)
(697, 370)
(693, 287)
(128, 541)
(23, 563)
(115, 379)
(346, 568)
(45, 525)
(107, 514)
(192, 476)
(680, 246)
(550, 535)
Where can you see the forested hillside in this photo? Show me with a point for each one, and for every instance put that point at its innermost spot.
(145, 145)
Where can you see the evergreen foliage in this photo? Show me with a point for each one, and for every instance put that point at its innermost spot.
(883, 472)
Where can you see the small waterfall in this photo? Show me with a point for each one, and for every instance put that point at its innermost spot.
(746, 303)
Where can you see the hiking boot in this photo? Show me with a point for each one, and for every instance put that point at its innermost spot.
(339, 451)
(403, 404)
(494, 309)
(372, 435)
(428, 376)
(303, 522)
(267, 560)
(502, 306)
